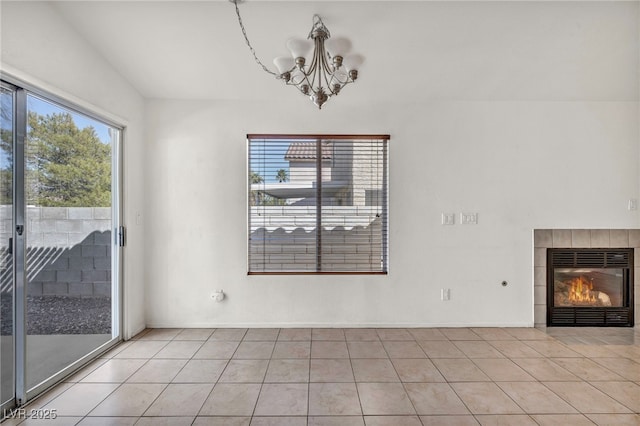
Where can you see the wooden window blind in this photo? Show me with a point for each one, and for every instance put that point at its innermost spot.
(317, 204)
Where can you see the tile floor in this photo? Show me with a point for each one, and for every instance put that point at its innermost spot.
(344, 377)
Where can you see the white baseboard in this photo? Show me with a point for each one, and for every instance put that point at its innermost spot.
(337, 325)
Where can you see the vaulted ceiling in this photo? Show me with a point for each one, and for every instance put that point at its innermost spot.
(416, 51)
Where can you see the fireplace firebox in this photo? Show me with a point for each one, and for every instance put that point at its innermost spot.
(590, 287)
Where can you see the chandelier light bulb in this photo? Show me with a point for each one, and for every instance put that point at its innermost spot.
(299, 48)
(352, 62)
(337, 46)
(283, 63)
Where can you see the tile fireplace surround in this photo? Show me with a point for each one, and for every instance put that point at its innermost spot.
(579, 238)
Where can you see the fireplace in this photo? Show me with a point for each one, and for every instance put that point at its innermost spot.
(590, 287)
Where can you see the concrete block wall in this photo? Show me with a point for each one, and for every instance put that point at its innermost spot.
(283, 237)
(68, 249)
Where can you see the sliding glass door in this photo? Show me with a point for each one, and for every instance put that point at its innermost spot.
(61, 253)
(7, 338)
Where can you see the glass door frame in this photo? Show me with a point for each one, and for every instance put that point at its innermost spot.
(21, 90)
(15, 121)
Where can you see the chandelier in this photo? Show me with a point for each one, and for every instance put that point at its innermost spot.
(318, 67)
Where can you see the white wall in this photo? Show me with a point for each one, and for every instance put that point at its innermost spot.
(520, 165)
(41, 49)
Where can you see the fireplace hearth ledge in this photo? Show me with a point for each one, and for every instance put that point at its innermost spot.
(578, 238)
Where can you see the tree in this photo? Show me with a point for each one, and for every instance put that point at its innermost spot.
(6, 148)
(282, 175)
(254, 177)
(66, 166)
(259, 198)
(6, 167)
(256, 196)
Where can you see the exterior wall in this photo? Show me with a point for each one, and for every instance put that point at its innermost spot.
(68, 250)
(579, 238)
(365, 172)
(352, 163)
(305, 171)
(342, 163)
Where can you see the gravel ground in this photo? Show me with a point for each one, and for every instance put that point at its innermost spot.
(60, 315)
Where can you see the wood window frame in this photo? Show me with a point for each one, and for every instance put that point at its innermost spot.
(384, 139)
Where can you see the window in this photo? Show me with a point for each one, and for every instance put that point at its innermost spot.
(317, 204)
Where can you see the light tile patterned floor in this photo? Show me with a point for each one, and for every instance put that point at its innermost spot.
(343, 377)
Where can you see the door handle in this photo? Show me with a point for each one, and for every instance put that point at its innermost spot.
(19, 229)
(10, 246)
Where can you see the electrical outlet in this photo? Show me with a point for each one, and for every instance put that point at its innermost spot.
(218, 295)
(469, 218)
(445, 294)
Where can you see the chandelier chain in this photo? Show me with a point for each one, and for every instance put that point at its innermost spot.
(318, 25)
(246, 39)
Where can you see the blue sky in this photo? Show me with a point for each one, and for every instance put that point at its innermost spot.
(268, 158)
(43, 107)
(82, 121)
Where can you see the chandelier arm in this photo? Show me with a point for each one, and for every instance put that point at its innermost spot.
(301, 82)
(299, 87)
(321, 64)
(313, 77)
(328, 76)
(298, 84)
(326, 70)
(246, 39)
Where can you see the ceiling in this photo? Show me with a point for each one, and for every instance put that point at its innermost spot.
(414, 51)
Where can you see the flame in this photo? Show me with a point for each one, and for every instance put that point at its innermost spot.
(581, 290)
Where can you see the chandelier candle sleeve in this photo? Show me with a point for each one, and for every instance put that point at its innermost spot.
(338, 47)
(299, 49)
(284, 64)
(318, 67)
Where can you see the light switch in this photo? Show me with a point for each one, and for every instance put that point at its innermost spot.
(448, 218)
(469, 218)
